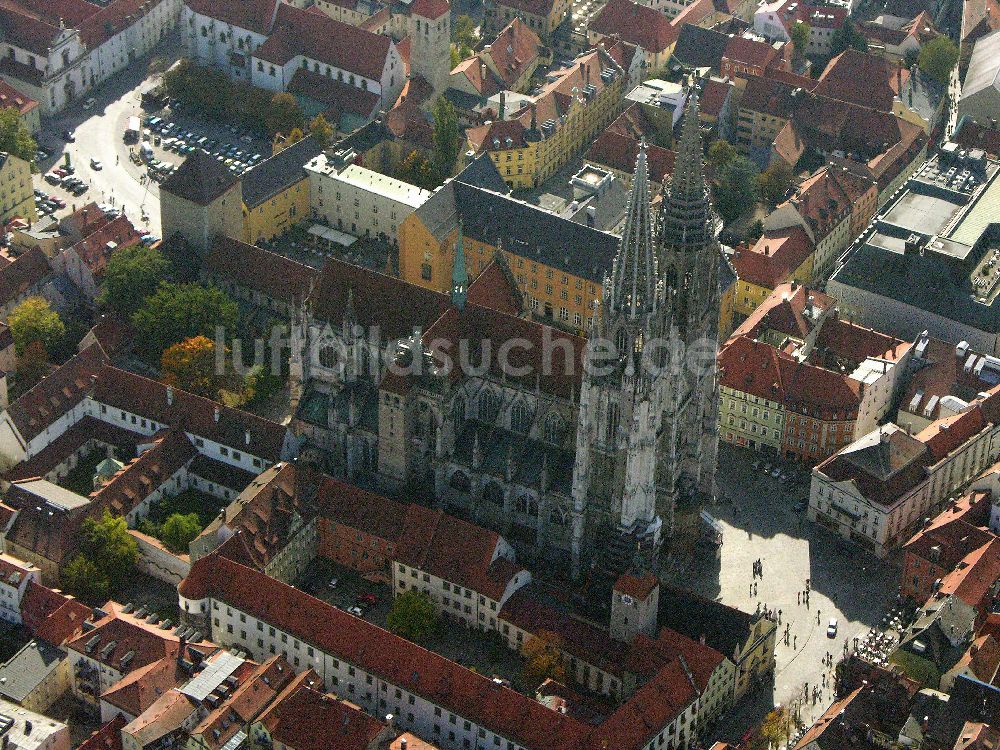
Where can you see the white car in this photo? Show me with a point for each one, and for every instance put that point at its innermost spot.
(831, 629)
(89, 103)
(96, 165)
(333, 582)
(356, 611)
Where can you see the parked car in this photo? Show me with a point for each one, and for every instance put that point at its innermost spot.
(52, 178)
(89, 103)
(150, 240)
(96, 165)
(69, 136)
(831, 629)
(369, 600)
(356, 611)
(41, 155)
(776, 472)
(333, 582)
(800, 506)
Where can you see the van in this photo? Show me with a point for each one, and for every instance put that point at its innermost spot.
(146, 152)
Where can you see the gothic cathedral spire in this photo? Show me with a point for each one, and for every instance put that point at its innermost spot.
(685, 216)
(633, 275)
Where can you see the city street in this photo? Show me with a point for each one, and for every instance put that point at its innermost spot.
(846, 584)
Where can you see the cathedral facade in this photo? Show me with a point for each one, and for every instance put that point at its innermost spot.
(583, 453)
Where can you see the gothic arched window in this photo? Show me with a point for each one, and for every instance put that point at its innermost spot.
(489, 406)
(557, 517)
(329, 356)
(459, 410)
(612, 430)
(520, 417)
(554, 429)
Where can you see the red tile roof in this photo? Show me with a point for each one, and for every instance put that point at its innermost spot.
(252, 15)
(514, 51)
(447, 684)
(637, 587)
(11, 97)
(76, 437)
(108, 737)
(275, 276)
(56, 394)
(774, 258)
(307, 719)
(618, 151)
(337, 96)
(95, 250)
(455, 550)
(749, 52)
(863, 79)
(319, 37)
(495, 288)
(194, 414)
(27, 271)
(430, 8)
(637, 24)
(390, 657)
(975, 576)
(51, 615)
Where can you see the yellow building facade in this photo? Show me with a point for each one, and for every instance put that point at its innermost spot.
(568, 114)
(17, 196)
(277, 214)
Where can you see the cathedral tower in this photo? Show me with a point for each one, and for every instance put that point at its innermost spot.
(647, 438)
(429, 30)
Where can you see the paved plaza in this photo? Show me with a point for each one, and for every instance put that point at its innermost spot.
(846, 583)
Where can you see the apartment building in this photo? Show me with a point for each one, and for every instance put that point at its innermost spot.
(17, 198)
(574, 104)
(876, 491)
(357, 200)
(799, 382)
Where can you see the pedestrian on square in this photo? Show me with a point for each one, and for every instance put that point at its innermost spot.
(817, 617)
(798, 597)
(795, 641)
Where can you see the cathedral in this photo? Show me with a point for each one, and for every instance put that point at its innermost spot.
(586, 454)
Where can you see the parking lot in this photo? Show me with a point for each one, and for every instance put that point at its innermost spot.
(169, 136)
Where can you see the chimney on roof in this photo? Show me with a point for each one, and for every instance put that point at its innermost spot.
(216, 414)
(246, 436)
(402, 743)
(503, 105)
(170, 395)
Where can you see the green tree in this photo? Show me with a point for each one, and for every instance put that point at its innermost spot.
(106, 543)
(937, 59)
(131, 275)
(413, 617)
(910, 58)
(721, 153)
(543, 658)
(14, 136)
(35, 320)
(736, 188)
(82, 578)
(416, 170)
(322, 130)
(773, 730)
(775, 181)
(847, 37)
(464, 31)
(447, 137)
(181, 311)
(179, 530)
(800, 37)
(260, 384)
(284, 114)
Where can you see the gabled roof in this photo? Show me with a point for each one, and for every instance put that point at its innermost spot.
(56, 394)
(619, 151)
(698, 47)
(637, 24)
(315, 35)
(195, 414)
(984, 67)
(97, 248)
(513, 51)
(278, 172)
(11, 97)
(275, 276)
(252, 15)
(200, 179)
(25, 272)
(307, 719)
(863, 79)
